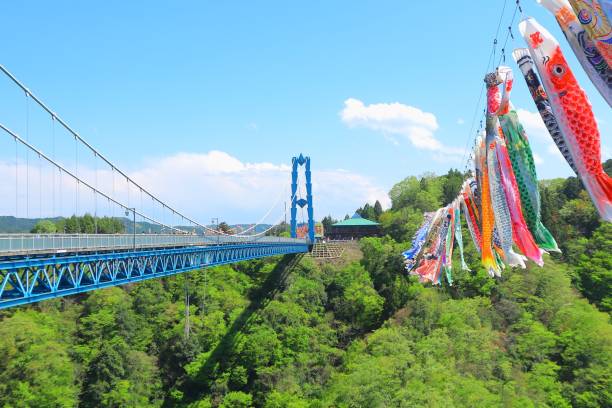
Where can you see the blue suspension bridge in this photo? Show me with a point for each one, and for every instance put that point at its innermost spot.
(36, 267)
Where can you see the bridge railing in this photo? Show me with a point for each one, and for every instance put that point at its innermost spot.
(19, 243)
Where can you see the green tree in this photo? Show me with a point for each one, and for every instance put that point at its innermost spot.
(451, 185)
(72, 225)
(237, 399)
(224, 228)
(378, 210)
(354, 298)
(87, 224)
(113, 339)
(608, 167)
(120, 377)
(35, 367)
(107, 225)
(295, 332)
(44, 227)
(327, 222)
(594, 268)
(100, 385)
(382, 260)
(278, 399)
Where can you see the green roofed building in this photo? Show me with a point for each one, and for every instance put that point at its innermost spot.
(355, 227)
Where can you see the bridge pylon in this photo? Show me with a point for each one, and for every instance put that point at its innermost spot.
(301, 202)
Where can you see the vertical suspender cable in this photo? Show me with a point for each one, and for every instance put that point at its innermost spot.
(113, 175)
(95, 194)
(60, 188)
(72, 175)
(141, 207)
(27, 137)
(53, 170)
(76, 172)
(87, 145)
(153, 207)
(127, 181)
(40, 183)
(16, 178)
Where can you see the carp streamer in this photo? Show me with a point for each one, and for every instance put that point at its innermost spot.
(500, 199)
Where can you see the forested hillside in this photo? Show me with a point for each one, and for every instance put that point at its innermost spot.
(292, 332)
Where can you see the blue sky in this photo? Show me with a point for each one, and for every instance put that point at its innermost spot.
(151, 83)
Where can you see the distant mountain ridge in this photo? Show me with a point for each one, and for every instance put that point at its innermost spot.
(14, 225)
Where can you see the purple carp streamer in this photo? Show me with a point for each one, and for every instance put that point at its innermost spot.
(417, 242)
(596, 23)
(606, 5)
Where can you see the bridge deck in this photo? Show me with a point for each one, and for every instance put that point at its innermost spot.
(37, 267)
(18, 245)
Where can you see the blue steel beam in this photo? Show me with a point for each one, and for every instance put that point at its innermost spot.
(31, 280)
(297, 162)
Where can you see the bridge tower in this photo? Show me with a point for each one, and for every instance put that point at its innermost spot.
(298, 162)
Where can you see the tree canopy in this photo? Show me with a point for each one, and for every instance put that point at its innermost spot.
(357, 332)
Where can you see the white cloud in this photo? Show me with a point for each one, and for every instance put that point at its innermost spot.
(201, 185)
(460, 121)
(336, 187)
(533, 124)
(399, 119)
(538, 159)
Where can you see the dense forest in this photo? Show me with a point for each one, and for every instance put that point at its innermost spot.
(86, 224)
(357, 332)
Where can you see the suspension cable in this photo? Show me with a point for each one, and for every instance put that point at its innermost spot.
(269, 211)
(78, 180)
(76, 172)
(61, 182)
(106, 160)
(53, 157)
(16, 178)
(518, 8)
(283, 216)
(90, 147)
(509, 33)
(40, 184)
(95, 195)
(27, 136)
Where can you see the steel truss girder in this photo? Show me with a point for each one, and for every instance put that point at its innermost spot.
(32, 280)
